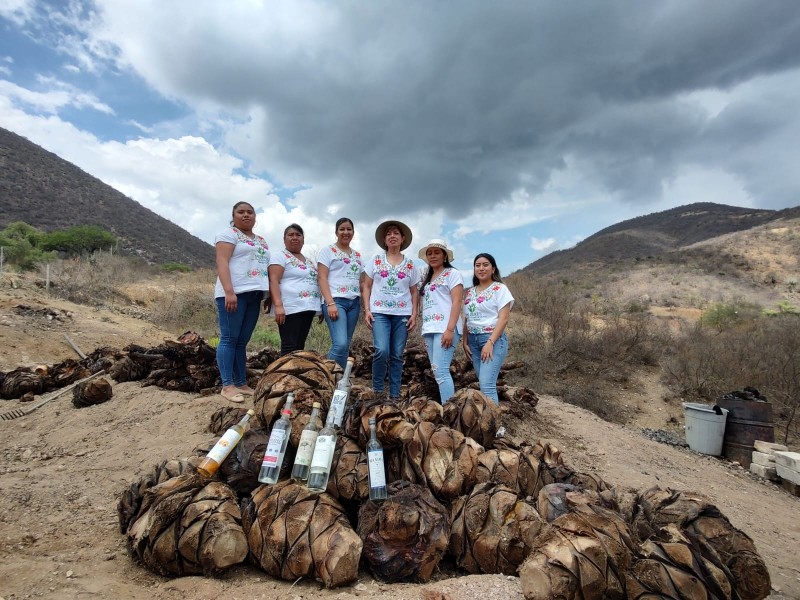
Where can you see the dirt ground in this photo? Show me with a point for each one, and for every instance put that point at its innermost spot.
(63, 469)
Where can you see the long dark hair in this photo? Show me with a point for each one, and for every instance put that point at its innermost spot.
(429, 275)
(493, 262)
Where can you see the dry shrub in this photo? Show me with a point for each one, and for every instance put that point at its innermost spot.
(763, 353)
(574, 353)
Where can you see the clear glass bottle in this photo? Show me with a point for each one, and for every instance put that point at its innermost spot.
(305, 450)
(276, 446)
(377, 472)
(339, 400)
(320, 469)
(209, 465)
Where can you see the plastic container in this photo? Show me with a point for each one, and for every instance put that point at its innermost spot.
(705, 429)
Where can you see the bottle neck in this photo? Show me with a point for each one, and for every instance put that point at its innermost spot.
(373, 434)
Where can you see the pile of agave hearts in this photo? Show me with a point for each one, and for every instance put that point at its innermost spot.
(494, 505)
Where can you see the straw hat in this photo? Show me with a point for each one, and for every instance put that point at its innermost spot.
(380, 233)
(437, 243)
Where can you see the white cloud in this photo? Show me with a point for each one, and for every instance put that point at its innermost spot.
(17, 11)
(542, 245)
(57, 95)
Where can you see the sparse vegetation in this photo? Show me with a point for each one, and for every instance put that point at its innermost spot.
(706, 362)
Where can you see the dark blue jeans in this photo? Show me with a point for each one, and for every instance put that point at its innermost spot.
(235, 329)
(342, 328)
(389, 335)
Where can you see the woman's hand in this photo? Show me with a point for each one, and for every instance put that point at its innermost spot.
(280, 314)
(447, 338)
(333, 311)
(467, 349)
(412, 322)
(487, 352)
(231, 302)
(369, 319)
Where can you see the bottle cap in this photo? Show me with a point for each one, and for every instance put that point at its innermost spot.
(316, 405)
(251, 412)
(351, 359)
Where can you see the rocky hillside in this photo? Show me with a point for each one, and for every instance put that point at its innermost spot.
(655, 235)
(45, 191)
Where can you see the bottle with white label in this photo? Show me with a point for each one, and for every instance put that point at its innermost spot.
(209, 465)
(377, 473)
(320, 469)
(276, 446)
(305, 450)
(339, 400)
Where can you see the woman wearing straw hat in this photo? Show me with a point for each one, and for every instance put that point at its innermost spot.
(390, 298)
(441, 299)
(487, 306)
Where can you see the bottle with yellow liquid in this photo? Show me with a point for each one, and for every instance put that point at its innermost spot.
(223, 447)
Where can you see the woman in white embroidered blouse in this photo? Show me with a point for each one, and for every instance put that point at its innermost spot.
(242, 260)
(441, 299)
(390, 297)
(487, 306)
(340, 274)
(294, 289)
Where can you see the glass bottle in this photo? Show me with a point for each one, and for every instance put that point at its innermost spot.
(377, 473)
(305, 450)
(276, 446)
(209, 465)
(320, 469)
(339, 400)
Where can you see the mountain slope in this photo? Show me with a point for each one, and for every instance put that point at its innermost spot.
(653, 235)
(45, 191)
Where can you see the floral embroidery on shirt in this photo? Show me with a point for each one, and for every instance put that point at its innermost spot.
(390, 303)
(471, 300)
(260, 252)
(385, 269)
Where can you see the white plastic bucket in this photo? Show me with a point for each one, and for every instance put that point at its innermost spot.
(705, 429)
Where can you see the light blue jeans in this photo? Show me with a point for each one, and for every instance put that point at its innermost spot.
(342, 328)
(235, 329)
(488, 371)
(440, 363)
(389, 335)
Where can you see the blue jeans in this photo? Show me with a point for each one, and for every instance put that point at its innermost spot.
(235, 329)
(440, 363)
(342, 328)
(389, 335)
(488, 371)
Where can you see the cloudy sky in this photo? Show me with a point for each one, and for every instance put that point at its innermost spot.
(516, 128)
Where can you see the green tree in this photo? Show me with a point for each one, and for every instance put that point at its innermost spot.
(79, 239)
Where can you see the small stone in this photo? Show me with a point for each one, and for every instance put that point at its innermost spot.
(70, 573)
(111, 556)
(27, 454)
(360, 587)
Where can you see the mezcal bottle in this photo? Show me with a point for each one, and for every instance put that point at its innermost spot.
(209, 465)
(276, 446)
(339, 400)
(320, 469)
(305, 450)
(377, 473)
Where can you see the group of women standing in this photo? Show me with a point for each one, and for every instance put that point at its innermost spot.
(338, 282)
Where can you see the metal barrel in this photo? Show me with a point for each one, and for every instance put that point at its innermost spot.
(748, 421)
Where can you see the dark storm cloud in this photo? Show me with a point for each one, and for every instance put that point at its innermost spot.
(456, 105)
